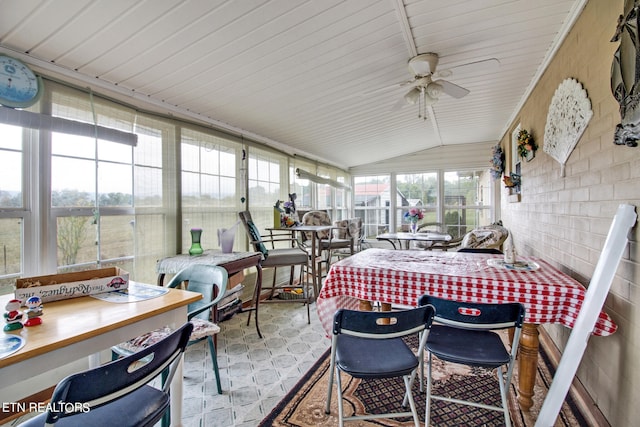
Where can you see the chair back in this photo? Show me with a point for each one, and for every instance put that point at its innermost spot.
(109, 382)
(429, 227)
(382, 324)
(469, 315)
(255, 239)
(317, 218)
(208, 280)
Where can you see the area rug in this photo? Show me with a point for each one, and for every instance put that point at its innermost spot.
(304, 405)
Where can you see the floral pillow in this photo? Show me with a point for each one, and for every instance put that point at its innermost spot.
(491, 236)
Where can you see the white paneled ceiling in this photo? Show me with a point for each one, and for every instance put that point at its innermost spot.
(320, 78)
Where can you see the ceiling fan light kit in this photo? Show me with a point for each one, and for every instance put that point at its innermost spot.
(412, 96)
(434, 90)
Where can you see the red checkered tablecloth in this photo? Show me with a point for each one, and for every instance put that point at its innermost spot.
(401, 277)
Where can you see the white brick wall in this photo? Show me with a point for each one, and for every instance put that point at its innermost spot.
(565, 220)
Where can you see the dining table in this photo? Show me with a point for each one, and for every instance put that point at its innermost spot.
(399, 277)
(407, 237)
(233, 262)
(83, 327)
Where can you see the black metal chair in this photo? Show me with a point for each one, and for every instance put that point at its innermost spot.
(117, 394)
(369, 344)
(463, 333)
(287, 254)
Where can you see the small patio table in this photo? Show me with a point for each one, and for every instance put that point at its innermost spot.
(407, 238)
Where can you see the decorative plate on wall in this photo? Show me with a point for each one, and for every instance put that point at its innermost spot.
(568, 116)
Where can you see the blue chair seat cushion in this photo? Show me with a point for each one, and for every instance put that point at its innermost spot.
(474, 348)
(374, 358)
(146, 403)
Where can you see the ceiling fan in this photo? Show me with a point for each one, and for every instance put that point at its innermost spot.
(428, 83)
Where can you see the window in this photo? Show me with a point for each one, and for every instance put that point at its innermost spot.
(12, 208)
(210, 191)
(417, 190)
(467, 201)
(461, 200)
(92, 200)
(154, 189)
(267, 172)
(303, 187)
(327, 191)
(372, 197)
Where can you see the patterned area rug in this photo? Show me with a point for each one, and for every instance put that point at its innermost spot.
(304, 405)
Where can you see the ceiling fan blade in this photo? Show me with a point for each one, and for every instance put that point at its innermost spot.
(451, 89)
(477, 67)
(399, 104)
(388, 88)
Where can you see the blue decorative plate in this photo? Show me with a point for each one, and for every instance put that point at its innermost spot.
(9, 344)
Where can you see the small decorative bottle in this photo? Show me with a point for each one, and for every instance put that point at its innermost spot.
(509, 251)
(195, 248)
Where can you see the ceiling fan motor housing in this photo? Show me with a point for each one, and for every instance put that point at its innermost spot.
(424, 64)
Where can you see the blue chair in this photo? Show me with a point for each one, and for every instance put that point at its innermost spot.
(117, 394)
(211, 282)
(463, 333)
(369, 344)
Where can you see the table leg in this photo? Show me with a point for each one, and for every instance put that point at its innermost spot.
(527, 364)
(365, 306)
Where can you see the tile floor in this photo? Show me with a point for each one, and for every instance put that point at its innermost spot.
(255, 372)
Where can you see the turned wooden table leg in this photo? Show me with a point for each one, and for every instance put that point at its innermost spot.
(365, 306)
(527, 365)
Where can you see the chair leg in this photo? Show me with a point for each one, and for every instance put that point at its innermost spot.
(504, 390)
(339, 397)
(214, 359)
(408, 381)
(332, 372)
(303, 281)
(166, 418)
(427, 415)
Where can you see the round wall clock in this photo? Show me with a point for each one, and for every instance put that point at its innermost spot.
(19, 86)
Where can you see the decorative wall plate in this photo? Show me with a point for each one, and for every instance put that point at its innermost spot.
(568, 116)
